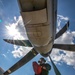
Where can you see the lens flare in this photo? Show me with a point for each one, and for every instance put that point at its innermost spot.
(12, 31)
(0, 21)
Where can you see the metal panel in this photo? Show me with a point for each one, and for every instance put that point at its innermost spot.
(32, 5)
(34, 17)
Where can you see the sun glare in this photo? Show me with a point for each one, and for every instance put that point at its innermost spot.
(12, 31)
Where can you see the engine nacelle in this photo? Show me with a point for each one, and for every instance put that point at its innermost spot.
(39, 17)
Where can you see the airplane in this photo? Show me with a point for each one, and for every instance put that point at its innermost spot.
(40, 18)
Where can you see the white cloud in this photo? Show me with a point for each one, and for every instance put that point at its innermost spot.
(8, 51)
(15, 18)
(4, 55)
(62, 17)
(69, 58)
(16, 30)
(20, 51)
(66, 38)
(73, 33)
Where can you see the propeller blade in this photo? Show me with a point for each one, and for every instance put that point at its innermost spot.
(67, 47)
(55, 68)
(62, 30)
(21, 62)
(19, 42)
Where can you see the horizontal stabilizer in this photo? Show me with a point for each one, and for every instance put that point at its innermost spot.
(21, 62)
(19, 42)
(62, 30)
(67, 47)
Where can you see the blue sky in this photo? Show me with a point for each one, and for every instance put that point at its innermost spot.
(9, 54)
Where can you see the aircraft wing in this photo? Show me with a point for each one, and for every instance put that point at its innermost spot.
(67, 47)
(19, 42)
(21, 62)
(62, 30)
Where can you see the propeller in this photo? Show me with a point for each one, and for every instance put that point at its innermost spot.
(54, 67)
(67, 47)
(19, 42)
(21, 62)
(62, 30)
(33, 52)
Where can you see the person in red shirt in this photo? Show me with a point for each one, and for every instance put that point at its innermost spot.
(41, 68)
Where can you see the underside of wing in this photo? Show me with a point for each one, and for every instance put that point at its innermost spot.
(67, 47)
(19, 42)
(21, 62)
(62, 30)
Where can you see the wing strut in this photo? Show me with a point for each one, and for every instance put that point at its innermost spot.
(54, 67)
